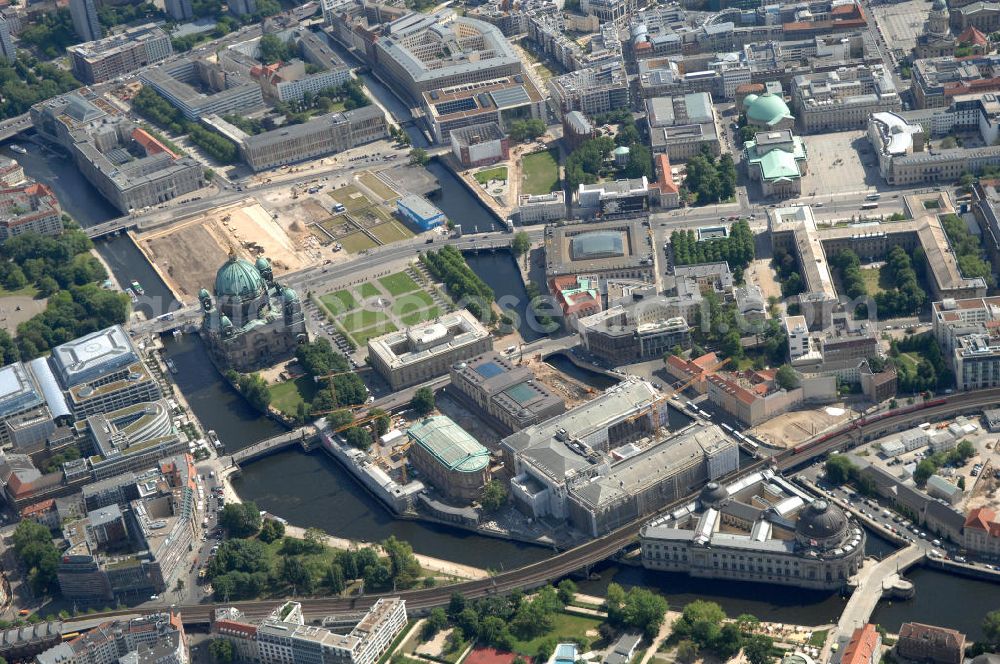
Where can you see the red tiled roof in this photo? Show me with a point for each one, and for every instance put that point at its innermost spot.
(972, 36)
(38, 508)
(664, 178)
(151, 144)
(983, 518)
(862, 645)
(491, 656)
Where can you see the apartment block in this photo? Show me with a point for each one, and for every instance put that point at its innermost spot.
(591, 91)
(119, 54)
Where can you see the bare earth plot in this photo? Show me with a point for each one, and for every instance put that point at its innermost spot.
(15, 309)
(796, 426)
(189, 254)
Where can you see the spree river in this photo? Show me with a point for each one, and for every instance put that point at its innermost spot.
(313, 490)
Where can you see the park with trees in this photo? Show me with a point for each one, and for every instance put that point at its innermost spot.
(149, 104)
(465, 287)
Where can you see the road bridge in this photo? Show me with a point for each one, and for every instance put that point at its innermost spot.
(13, 126)
(113, 227)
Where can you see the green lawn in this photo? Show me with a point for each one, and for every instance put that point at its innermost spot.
(872, 277)
(359, 320)
(564, 627)
(399, 283)
(540, 172)
(350, 197)
(377, 187)
(498, 173)
(368, 290)
(356, 242)
(361, 338)
(420, 316)
(26, 291)
(405, 304)
(339, 302)
(818, 638)
(287, 396)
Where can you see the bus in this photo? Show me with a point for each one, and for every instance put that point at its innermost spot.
(873, 197)
(869, 206)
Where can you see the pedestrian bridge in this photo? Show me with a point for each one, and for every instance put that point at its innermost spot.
(874, 580)
(304, 436)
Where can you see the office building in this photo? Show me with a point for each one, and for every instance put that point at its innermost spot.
(762, 529)
(754, 396)
(284, 636)
(843, 99)
(200, 88)
(29, 208)
(578, 296)
(422, 52)
(778, 160)
(28, 418)
(540, 208)
(428, 350)
(127, 165)
(157, 637)
(99, 372)
(938, 81)
(607, 462)
(641, 331)
(966, 332)
(125, 439)
(838, 350)
(290, 81)
(793, 229)
(85, 21)
(480, 145)
(647, 478)
(143, 548)
(321, 136)
(981, 532)
(591, 91)
(454, 462)
(253, 321)
(609, 250)
(7, 49)
(664, 192)
(879, 385)
(625, 197)
(420, 212)
(609, 11)
(577, 129)
(928, 643)
(902, 146)
(119, 54)
(11, 172)
(499, 101)
(508, 396)
(179, 10)
(682, 126)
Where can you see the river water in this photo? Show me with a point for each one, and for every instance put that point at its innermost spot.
(313, 490)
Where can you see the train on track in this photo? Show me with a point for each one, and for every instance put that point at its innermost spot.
(865, 421)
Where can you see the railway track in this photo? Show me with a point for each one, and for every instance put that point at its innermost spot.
(564, 563)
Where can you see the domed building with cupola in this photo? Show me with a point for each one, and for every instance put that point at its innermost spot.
(250, 321)
(760, 528)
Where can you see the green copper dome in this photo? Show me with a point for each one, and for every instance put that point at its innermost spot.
(203, 293)
(289, 294)
(238, 278)
(262, 264)
(767, 109)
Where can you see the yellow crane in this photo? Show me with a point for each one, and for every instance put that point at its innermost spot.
(676, 390)
(329, 378)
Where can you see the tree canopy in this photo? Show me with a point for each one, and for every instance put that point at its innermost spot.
(241, 519)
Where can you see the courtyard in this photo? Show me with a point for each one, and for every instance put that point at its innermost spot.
(840, 164)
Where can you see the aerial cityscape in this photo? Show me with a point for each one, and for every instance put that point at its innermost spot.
(499, 332)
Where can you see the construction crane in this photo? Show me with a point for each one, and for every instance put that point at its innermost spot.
(668, 394)
(329, 378)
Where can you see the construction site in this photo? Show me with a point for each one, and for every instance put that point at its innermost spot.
(189, 252)
(797, 426)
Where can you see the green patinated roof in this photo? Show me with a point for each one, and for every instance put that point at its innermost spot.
(769, 109)
(777, 163)
(238, 278)
(450, 444)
